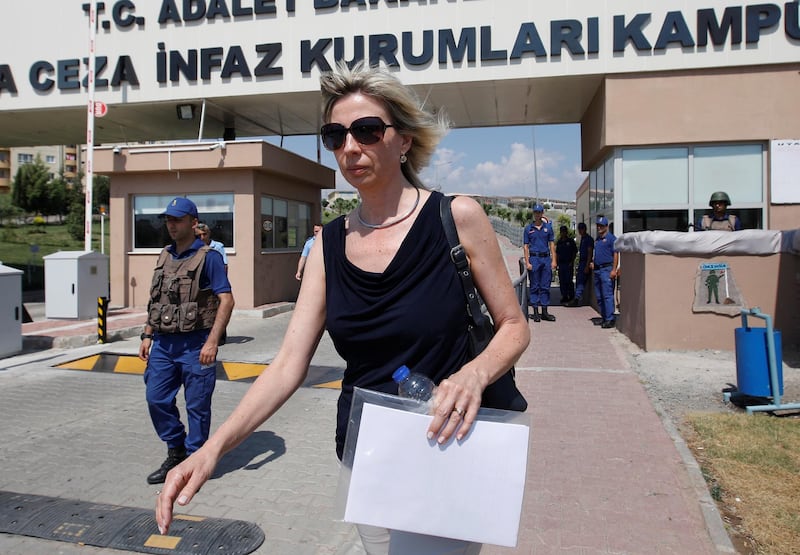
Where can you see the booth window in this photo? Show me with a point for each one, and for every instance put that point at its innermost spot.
(285, 224)
(150, 231)
(667, 188)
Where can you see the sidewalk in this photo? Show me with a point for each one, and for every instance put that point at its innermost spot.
(605, 475)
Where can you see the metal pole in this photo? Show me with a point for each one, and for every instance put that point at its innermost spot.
(87, 234)
(535, 168)
(102, 233)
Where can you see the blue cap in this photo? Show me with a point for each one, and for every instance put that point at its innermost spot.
(602, 220)
(538, 208)
(401, 373)
(179, 207)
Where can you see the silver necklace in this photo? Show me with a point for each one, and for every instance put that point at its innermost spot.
(389, 223)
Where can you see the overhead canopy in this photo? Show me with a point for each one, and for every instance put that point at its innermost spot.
(482, 104)
(255, 64)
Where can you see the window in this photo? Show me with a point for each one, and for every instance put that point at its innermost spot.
(668, 188)
(24, 158)
(285, 224)
(655, 176)
(737, 170)
(150, 232)
(50, 159)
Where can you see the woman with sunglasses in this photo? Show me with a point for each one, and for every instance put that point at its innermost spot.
(381, 281)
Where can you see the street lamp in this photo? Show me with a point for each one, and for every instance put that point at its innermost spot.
(436, 170)
(102, 210)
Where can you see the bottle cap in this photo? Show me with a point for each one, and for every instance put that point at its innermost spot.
(401, 373)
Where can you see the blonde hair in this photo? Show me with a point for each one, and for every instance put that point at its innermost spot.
(406, 111)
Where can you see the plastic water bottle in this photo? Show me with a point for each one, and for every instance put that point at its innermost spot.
(413, 385)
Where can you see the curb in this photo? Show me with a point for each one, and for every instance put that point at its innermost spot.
(43, 342)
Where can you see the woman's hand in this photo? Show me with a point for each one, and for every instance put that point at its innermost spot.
(455, 405)
(182, 483)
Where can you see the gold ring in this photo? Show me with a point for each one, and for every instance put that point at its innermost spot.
(458, 411)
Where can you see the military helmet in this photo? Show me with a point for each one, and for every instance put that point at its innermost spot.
(719, 196)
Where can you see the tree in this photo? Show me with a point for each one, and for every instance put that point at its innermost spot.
(76, 225)
(340, 206)
(8, 210)
(100, 193)
(56, 198)
(564, 219)
(30, 187)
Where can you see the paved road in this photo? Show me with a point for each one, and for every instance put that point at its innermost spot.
(604, 476)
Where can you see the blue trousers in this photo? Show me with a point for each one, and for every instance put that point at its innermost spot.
(604, 291)
(174, 362)
(580, 280)
(540, 276)
(565, 281)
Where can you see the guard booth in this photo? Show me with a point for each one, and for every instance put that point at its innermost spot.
(72, 282)
(260, 202)
(10, 310)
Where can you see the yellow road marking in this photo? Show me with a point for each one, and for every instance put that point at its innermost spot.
(129, 365)
(336, 384)
(163, 542)
(81, 364)
(243, 370)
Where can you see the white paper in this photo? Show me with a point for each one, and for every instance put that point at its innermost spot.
(785, 167)
(470, 490)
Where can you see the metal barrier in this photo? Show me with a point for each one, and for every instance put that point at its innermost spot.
(505, 228)
(522, 288)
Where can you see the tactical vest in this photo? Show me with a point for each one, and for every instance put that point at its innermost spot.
(177, 304)
(728, 224)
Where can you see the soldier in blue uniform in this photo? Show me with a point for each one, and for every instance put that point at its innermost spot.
(565, 258)
(585, 255)
(190, 305)
(604, 266)
(539, 251)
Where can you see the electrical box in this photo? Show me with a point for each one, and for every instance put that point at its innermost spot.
(10, 310)
(72, 282)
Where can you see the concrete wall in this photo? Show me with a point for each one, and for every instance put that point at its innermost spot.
(657, 294)
(246, 169)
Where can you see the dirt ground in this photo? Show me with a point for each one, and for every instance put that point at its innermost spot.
(695, 381)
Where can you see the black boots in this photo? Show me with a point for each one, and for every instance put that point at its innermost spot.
(175, 456)
(544, 316)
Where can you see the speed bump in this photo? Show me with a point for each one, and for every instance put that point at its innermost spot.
(318, 376)
(126, 528)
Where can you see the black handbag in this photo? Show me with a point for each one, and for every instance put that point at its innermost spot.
(503, 393)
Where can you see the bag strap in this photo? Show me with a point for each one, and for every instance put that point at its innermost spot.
(459, 257)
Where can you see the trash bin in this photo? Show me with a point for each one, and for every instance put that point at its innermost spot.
(752, 362)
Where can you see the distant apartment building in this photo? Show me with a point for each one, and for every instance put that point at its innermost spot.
(58, 159)
(343, 194)
(5, 170)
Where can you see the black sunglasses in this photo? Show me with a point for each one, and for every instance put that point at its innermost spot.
(367, 131)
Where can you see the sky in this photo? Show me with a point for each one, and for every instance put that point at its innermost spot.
(492, 161)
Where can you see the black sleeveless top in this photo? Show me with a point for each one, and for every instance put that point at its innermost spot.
(413, 313)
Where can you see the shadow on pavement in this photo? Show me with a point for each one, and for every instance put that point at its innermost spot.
(260, 448)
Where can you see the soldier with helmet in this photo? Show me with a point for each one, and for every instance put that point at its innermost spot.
(719, 219)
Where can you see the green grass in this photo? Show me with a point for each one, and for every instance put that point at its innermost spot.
(17, 245)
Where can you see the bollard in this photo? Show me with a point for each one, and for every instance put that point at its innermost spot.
(102, 312)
